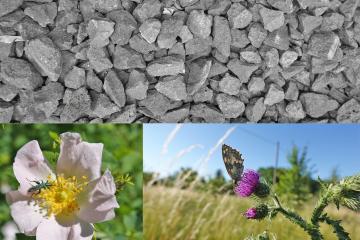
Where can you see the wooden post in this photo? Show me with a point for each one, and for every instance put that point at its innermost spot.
(276, 160)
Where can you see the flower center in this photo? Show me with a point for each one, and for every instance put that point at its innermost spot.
(60, 197)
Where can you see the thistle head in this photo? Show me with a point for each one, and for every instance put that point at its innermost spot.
(257, 211)
(347, 192)
(250, 183)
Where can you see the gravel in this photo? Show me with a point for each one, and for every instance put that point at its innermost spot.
(200, 61)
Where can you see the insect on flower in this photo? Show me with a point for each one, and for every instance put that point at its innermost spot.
(39, 186)
(233, 163)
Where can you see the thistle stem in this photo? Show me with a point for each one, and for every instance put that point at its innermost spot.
(319, 208)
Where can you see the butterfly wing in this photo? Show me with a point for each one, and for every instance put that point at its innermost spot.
(233, 162)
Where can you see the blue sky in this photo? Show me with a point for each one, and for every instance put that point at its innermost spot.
(329, 146)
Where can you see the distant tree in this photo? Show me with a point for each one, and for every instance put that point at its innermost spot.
(294, 184)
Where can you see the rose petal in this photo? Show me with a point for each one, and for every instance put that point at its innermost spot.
(25, 213)
(64, 227)
(31, 163)
(97, 200)
(79, 158)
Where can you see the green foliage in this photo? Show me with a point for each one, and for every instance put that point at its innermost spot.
(294, 184)
(122, 150)
(339, 230)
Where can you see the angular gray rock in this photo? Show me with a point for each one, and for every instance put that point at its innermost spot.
(242, 70)
(207, 112)
(279, 38)
(114, 88)
(255, 110)
(20, 73)
(198, 73)
(150, 29)
(222, 36)
(127, 58)
(349, 112)
(231, 106)
(287, 58)
(308, 23)
(286, 6)
(44, 14)
(147, 9)
(323, 44)
(137, 85)
(257, 34)
(7, 6)
(170, 29)
(99, 58)
(230, 85)
(45, 56)
(332, 21)
(316, 105)
(75, 78)
(93, 82)
(99, 31)
(169, 65)
(274, 95)
(126, 115)
(270, 56)
(176, 115)
(8, 92)
(101, 105)
(78, 104)
(239, 38)
(156, 102)
(6, 112)
(348, 8)
(199, 23)
(239, 16)
(272, 19)
(125, 24)
(139, 44)
(173, 87)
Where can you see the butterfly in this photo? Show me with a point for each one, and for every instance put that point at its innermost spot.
(233, 163)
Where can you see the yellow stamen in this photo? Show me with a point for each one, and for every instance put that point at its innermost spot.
(83, 177)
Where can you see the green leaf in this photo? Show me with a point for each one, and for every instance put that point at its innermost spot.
(336, 201)
(130, 220)
(21, 236)
(53, 135)
(323, 184)
(339, 230)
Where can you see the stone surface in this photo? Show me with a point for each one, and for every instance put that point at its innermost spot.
(323, 44)
(239, 38)
(207, 112)
(75, 78)
(7, 6)
(30, 29)
(93, 82)
(286, 6)
(20, 73)
(45, 56)
(313, 3)
(99, 59)
(147, 9)
(257, 34)
(99, 31)
(348, 8)
(222, 36)
(255, 110)
(272, 19)
(127, 58)
(239, 16)
(169, 65)
(199, 23)
(79, 102)
(242, 70)
(170, 29)
(125, 24)
(137, 85)
(126, 115)
(8, 92)
(173, 87)
(101, 105)
(316, 105)
(106, 6)
(274, 95)
(114, 88)
(332, 21)
(308, 23)
(295, 110)
(279, 38)
(349, 112)
(270, 56)
(6, 112)
(156, 102)
(150, 29)
(287, 58)
(230, 85)
(198, 73)
(44, 14)
(231, 106)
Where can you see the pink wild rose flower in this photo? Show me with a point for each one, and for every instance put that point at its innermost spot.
(78, 195)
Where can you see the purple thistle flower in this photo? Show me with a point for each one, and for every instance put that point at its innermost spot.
(251, 213)
(248, 184)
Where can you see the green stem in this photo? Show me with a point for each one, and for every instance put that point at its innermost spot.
(313, 231)
(319, 208)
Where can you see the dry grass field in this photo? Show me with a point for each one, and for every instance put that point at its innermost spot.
(172, 213)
